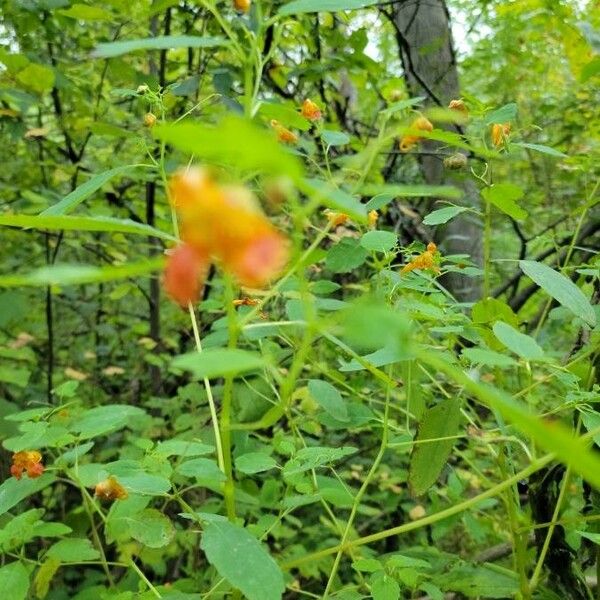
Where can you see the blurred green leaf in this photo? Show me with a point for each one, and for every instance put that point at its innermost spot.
(219, 362)
(160, 42)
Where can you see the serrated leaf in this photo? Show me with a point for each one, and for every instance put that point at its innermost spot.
(561, 288)
(151, 528)
(242, 561)
(314, 457)
(12, 490)
(379, 241)
(345, 256)
(429, 458)
(105, 419)
(254, 462)
(73, 550)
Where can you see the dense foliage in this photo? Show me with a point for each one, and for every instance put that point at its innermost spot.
(236, 357)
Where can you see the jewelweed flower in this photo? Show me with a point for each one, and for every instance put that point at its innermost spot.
(29, 461)
(184, 274)
(284, 135)
(310, 110)
(425, 260)
(459, 105)
(409, 141)
(336, 219)
(223, 224)
(372, 218)
(110, 489)
(500, 131)
(242, 5)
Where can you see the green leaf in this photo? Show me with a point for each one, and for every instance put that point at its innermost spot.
(488, 357)
(201, 468)
(521, 344)
(504, 114)
(230, 142)
(286, 114)
(14, 581)
(541, 148)
(73, 550)
(18, 377)
(298, 7)
(106, 419)
(328, 398)
(184, 448)
(345, 256)
(379, 241)
(44, 577)
(254, 462)
(12, 490)
(590, 69)
(384, 587)
(80, 274)
(503, 196)
(161, 42)
(37, 77)
(336, 199)
(335, 138)
(151, 528)
(443, 215)
(83, 12)
(429, 458)
(219, 362)
(78, 195)
(242, 561)
(561, 288)
(313, 457)
(402, 104)
(107, 224)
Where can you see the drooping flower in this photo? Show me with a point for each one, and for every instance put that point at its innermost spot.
(283, 135)
(310, 110)
(372, 218)
(459, 105)
(500, 131)
(245, 301)
(184, 274)
(425, 260)
(410, 140)
(29, 461)
(223, 224)
(110, 489)
(242, 5)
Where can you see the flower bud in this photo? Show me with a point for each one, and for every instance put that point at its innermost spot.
(455, 162)
(149, 120)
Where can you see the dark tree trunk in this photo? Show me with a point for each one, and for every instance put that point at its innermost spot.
(427, 52)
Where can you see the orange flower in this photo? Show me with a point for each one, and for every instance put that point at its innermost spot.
(409, 141)
(336, 218)
(310, 110)
(500, 131)
(426, 260)
(372, 218)
(29, 461)
(242, 5)
(110, 489)
(184, 274)
(284, 135)
(245, 301)
(459, 105)
(149, 120)
(222, 223)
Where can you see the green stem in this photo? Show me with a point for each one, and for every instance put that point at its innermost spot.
(429, 520)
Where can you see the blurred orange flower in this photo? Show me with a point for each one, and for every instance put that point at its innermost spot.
(500, 131)
(245, 301)
(310, 110)
(110, 489)
(409, 141)
(224, 224)
(336, 219)
(284, 135)
(242, 5)
(29, 461)
(425, 260)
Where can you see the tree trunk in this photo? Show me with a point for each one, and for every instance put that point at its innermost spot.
(426, 49)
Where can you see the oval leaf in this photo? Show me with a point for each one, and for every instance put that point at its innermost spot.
(219, 362)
